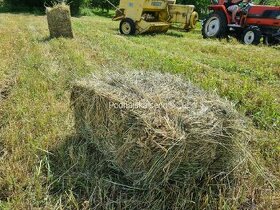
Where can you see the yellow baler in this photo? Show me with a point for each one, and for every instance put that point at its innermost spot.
(140, 16)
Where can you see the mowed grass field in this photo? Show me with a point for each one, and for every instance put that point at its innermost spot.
(44, 166)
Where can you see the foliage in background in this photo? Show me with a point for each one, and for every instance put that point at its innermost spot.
(15, 4)
(200, 5)
(18, 5)
(269, 2)
(103, 4)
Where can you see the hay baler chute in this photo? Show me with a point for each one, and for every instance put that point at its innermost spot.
(141, 16)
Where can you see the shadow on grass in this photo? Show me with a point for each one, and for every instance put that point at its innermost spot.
(48, 38)
(153, 34)
(196, 31)
(81, 177)
(174, 34)
(80, 174)
(44, 39)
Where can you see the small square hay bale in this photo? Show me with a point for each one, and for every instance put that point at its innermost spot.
(160, 130)
(59, 21)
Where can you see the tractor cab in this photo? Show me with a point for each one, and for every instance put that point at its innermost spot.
(253, 23)
(223, 5)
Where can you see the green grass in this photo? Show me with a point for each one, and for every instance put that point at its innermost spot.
(42, 163)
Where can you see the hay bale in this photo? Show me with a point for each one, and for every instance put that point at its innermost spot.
(59, 21)
(167, 136)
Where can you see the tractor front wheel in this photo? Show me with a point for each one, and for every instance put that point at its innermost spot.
(215, 25)
(251, 35)
(127, 27)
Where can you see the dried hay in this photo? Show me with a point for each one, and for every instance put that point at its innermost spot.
(178, 144)
(59, 21)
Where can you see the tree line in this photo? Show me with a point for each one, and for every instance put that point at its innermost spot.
(104, 4)
(40, 4)
(201, 5)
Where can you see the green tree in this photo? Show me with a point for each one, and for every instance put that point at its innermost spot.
(74, 4)
(104, 4)
(270, 2)
(200, 5)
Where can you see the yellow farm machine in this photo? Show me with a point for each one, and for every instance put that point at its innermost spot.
(142, 16)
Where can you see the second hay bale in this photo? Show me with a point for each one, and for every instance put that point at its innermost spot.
(59, 21)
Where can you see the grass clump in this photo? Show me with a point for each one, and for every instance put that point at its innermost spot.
(174, 143)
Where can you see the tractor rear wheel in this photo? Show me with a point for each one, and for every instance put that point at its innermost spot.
(127, 27)
(270, 41)
(251, 35)
(215, 25)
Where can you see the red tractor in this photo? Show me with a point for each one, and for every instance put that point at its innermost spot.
(254, 22)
